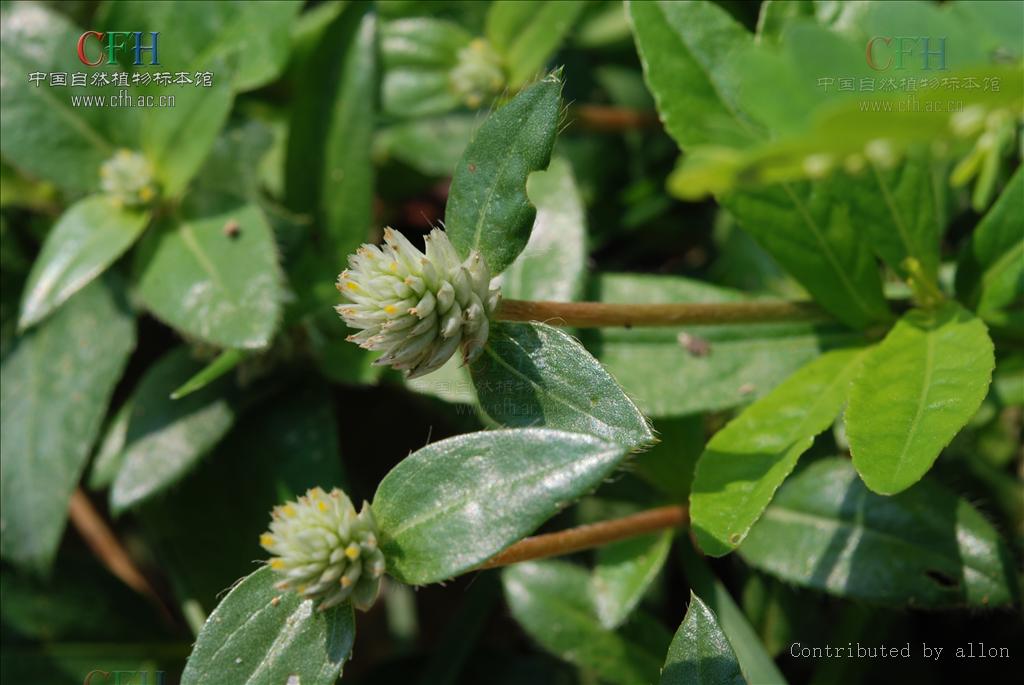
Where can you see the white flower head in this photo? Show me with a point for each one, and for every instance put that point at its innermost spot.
(128, 178)
(324, 551)
(418, 308)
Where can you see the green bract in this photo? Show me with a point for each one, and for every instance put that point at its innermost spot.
(417, 308)
(324, 551)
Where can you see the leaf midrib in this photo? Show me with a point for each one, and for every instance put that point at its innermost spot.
(926, 379)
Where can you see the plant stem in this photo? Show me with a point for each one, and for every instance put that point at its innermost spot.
(598, 314)
(590, 535)
(610, 119)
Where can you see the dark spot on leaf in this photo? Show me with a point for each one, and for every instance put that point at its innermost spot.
(940, 578)
(232, 228)
(472, 167)
(734, 539)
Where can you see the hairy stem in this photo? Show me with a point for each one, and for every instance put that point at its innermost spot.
(603, 314)
(588, 536)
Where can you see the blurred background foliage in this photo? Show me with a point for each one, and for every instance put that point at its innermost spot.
(326, 122)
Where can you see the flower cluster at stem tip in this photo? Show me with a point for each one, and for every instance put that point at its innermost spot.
(324, 551)
(128, 178)
(417, 307)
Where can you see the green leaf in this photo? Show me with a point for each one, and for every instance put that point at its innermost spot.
(456, 503)
(41, 132)
(745, 462)
(755, 662)
(528, 34)
(687, 50)
(775, 15)
(86, 240)
(57, 380)
(815, 238)
(551, 266)
(166, 438)
(549, 599)
(431, 146)
(209, 31)
(678, 371)
(418, 54)
(925, 547)
(285, 445)
(623, 574)
(532, 374)
(488, 209)
(260, 636)
(669, 464)
(110, 453)
(682, 47)
(990, 272)
(212, 273)
(700, 652)
(225, 362)
(915, 391)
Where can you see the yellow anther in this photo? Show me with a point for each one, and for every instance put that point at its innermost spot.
(288, 510)
(394, 267)
(352, 551)
(277, 564)
(266, 540)
(352, 285)
(390, 309)
(345, 581)
(322, 506)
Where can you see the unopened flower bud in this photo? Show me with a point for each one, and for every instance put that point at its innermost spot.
(324, 551)
(418, 308)
(478, 76)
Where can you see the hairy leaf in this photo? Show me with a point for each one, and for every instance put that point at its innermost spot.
(458, 502)
(261, 636)
(914, 392)
(925, 547)
(488, 209)
(531, 374)
(700, 652)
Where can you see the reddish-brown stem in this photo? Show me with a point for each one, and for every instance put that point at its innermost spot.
(598, 314)
(109, 550)
(609, 119)
(590, 535)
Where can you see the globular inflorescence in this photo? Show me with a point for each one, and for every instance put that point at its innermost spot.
(418, 308)
(324, 551)
(128, 178)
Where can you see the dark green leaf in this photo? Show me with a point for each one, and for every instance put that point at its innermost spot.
(623, 574)
(756, 664)
(488, 209)
(110, 453)
(456, 503)
(532, 374)
(431, 146)
(57, 380)
(213, 274)
(925, 547)
(87, 239)
(283, 446)
(745, 462)
(700, 652)
(914, 392)
(260, 636)
(672, 372)
(549, 599)
(166, 437)
(551, 265)
(990, 273)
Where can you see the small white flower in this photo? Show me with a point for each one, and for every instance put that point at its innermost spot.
(324, 551)
(478, 75)
(128, 178)
(417, 308)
